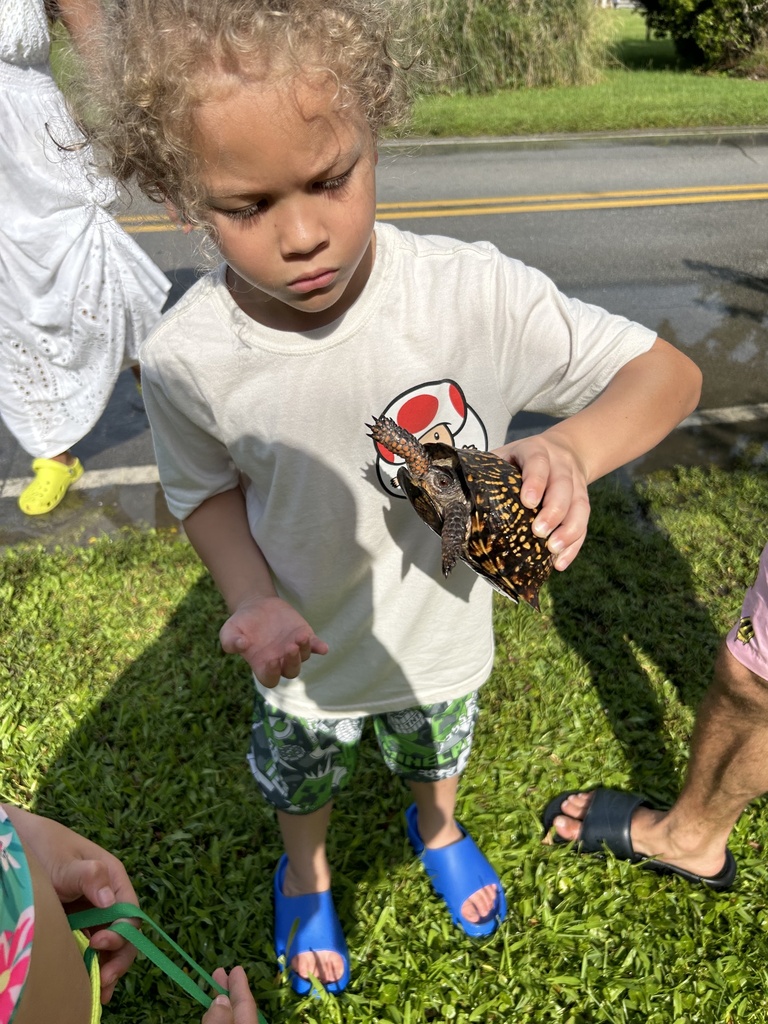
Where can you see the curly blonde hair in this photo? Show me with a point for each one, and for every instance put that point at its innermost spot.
(159, 55)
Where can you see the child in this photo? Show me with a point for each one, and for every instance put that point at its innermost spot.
(258, 119)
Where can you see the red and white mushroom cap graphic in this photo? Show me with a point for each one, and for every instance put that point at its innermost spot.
(436, 411)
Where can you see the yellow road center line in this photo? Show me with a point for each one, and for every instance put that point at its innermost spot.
(574, 196)
(605, 204)
(554, 202)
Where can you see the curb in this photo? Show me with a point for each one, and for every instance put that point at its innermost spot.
(756, 134)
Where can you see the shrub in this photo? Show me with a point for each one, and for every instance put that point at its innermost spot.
(717, 34)
(478, 47)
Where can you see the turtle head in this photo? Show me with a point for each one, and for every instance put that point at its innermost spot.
(441, 481)
(439, 499)
(432, 481)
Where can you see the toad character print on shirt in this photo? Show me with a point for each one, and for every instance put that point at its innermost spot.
(434, 411)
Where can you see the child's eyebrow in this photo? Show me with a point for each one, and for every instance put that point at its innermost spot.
(347, 160)
(333, 168)
(245, 193)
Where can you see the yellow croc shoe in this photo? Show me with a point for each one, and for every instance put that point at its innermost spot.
(51, 483)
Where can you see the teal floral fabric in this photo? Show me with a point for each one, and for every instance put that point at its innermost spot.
(17, 919)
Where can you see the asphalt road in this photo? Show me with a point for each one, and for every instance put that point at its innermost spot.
(669, 230)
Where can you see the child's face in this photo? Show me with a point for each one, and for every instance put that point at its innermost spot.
(292, 196)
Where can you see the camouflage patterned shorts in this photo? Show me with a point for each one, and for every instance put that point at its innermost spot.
(302, 763)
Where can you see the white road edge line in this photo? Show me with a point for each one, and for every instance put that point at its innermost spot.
(133, 476)
(122, 476)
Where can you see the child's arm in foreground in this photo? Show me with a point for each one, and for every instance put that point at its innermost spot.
(81, 873)
(272, 637)
(237, 1008)
(644, 401)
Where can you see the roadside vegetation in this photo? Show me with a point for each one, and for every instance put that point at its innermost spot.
(713, 34)
(474, 48)
(564, 66)
(641, 83)
(120, 715)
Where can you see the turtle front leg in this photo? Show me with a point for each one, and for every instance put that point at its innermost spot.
(453, 534)
(398, 441)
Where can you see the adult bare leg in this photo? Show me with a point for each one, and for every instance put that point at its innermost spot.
(728, 767)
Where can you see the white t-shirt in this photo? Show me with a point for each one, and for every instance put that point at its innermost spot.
(445, 336)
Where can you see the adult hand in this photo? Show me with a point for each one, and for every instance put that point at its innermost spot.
(272, 637)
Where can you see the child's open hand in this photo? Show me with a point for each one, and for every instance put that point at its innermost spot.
(553, 478)
(237, 1008)
(272, 637)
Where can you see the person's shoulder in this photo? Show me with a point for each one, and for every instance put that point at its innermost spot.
(418, 246)
(190, 314)
(198, 296)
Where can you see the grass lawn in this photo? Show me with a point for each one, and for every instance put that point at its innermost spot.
(623, 101)
(120, 715)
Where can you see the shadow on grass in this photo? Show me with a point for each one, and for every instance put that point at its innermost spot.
(647, 55)
(626, 604)
(157, 772)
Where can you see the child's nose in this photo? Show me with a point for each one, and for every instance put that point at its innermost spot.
(301, 230)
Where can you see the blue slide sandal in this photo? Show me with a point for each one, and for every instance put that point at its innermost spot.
(456, 871)
(317, 927)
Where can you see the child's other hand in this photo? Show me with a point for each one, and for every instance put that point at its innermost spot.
(554, 479)
(272, 637)
(237, 1008)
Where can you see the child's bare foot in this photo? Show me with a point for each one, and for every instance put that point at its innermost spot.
(327, 965)
(481, 905)
(453, 862)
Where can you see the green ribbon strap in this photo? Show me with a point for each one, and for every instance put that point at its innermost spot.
(107, 916)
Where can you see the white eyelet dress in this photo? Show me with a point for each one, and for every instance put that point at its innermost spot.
(77, 294)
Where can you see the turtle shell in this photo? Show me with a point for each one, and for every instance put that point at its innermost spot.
(472, 499)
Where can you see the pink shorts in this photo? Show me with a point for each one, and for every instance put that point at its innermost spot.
(748, 640)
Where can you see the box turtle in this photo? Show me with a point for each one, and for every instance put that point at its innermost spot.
(471, 499)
